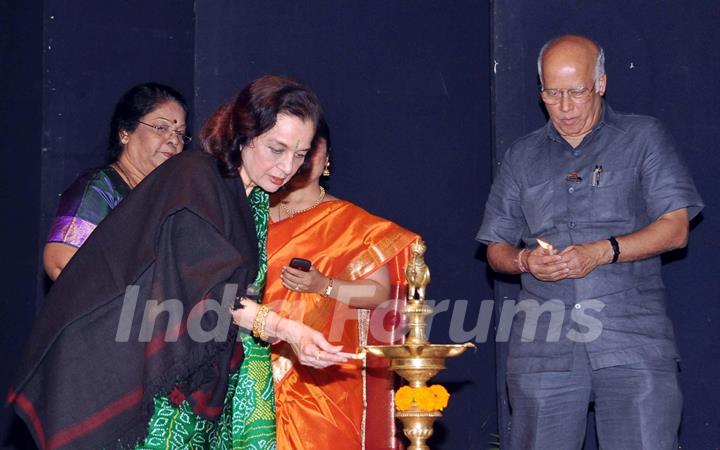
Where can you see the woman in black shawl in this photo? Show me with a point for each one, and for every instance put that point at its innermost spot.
(154, 335)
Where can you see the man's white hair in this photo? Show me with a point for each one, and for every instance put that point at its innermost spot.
(599, 62)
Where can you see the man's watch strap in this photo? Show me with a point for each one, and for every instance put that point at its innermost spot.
(615, 249)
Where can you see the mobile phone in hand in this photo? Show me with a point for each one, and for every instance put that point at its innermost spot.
(300, 264)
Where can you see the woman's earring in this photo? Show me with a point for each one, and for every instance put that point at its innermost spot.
(326, 172)
(124, 139)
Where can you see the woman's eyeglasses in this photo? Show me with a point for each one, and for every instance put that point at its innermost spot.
(165, 131)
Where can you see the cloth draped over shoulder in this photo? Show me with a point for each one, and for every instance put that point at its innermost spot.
(319, 408)
(248, 418)
(126, 321)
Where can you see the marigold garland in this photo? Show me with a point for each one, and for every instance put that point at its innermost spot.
(433, 398)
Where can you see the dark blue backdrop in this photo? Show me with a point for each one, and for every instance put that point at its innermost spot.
(20, 141)
(408, 87)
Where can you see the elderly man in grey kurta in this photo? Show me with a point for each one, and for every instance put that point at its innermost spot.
(610, 194)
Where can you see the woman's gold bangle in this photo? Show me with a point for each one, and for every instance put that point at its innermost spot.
(258, 328)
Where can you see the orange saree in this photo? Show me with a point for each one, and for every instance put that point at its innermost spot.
(323, 409)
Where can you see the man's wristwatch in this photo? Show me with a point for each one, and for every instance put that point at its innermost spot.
(615, 249)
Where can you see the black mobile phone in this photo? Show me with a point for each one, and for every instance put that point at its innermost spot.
(300, 264)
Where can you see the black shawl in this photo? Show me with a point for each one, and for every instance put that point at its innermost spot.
(93, 365)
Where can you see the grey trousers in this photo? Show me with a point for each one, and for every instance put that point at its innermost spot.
(637, 406)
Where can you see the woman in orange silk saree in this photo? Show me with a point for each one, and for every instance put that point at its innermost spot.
(323, 409)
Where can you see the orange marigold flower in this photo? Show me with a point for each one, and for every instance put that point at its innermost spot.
(441, 396)
(404, 398)
(433, 398)
(425, 399)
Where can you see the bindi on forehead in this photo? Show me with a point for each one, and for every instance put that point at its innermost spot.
(174, 121)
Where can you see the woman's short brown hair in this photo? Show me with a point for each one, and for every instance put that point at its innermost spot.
(253, 112)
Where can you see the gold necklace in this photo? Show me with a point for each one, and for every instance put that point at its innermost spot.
(118, 168)
(291, 212)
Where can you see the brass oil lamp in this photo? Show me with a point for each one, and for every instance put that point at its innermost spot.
(417, 360)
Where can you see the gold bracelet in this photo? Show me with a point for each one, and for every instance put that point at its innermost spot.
(328, 289)
(258, 327)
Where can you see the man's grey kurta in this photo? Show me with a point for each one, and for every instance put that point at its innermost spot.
(536, 195)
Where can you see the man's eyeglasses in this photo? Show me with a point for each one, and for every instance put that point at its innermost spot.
(577, 95)
(165, 131)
